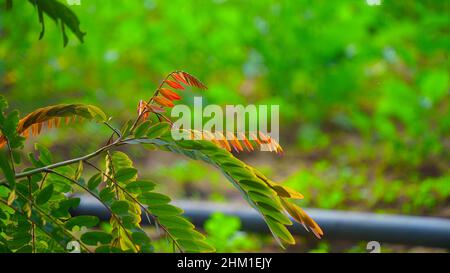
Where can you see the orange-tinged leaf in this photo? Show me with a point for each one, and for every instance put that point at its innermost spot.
(300, 216)
(264, 138)
(169, 94)
(26, 133)
(207, 135)
(57, 122)
(247, 143)
(174, 84)
(222, 140)
(193, 81)
(234, 142)
(50, 117)
(284, 191)
(255, 138)
(178, 76)
(163, 101)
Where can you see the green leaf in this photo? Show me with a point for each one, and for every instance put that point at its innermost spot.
(83, 220)
(140, 238)
(281, 231)
(16, 156)
(140, 186)
(12, 196)
(6, 168)
(9, 4)
(8, 127)
(106, 195)
(120, 207)
(92, 238)
(126, 128)
(142, 129)
(243, 177)
(269, 211)
(64, 206)
(121, 160)
(60, 14)
(25, 249)
(44, 195)
(44, 154)
(79, 170)
(108, 249)
(195, 246)
(126, 174)
(96, 113)
(158, 130)
(153, 199)
(165, 210)
(4, 191)
(186, 234)
(175, 222)
(94, 181)
(19, 240)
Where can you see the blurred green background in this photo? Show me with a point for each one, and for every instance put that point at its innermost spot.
(363, 91)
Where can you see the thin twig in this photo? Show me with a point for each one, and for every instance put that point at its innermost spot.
(11, 157)
(67, 162)
(118, 133)
(33, 235)
(155, 93)
(42, 181)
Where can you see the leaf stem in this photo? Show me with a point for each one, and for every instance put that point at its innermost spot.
(64, 163)
(33, 235)
(155, 93)
(10, 154)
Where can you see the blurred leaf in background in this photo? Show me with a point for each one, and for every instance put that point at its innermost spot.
(225, 235)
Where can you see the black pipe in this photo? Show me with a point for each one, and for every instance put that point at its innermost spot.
(341, 225)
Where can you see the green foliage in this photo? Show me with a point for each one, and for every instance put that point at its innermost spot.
(38, 204)
(371, 101)
(225, 235)
(258, 191)
(59, 13)
(385, 79)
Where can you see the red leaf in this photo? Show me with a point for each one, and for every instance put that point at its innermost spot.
(193, 81)
(163, 101)
(174, 84)
(169, 94)
(178, 76)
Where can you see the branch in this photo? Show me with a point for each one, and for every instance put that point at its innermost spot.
(64, 163)
(33, 234)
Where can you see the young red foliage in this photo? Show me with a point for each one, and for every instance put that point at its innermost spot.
(174, 84)
(169, 94)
